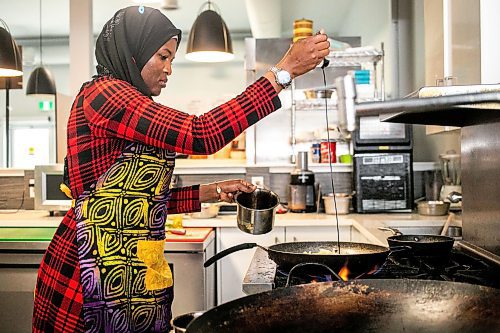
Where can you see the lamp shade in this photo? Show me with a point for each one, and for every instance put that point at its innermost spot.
(209, 39)
(10, 57)
(41, 82)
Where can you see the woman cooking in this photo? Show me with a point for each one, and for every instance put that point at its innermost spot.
(104, 270)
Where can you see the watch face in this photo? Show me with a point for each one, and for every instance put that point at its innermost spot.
(283, 77)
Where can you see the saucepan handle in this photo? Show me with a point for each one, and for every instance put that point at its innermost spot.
(394, 231)
(230, 250)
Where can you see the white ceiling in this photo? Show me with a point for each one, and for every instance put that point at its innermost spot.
(23, 16)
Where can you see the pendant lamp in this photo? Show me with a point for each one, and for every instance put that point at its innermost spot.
(10, 65)
(41, 81)
(209, 38)
(10, 57)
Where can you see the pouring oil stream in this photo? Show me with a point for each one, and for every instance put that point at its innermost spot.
(325, 64)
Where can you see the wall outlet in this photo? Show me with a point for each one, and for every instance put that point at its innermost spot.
(257, 180)
(31, 185)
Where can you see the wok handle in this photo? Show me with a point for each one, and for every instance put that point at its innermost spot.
(230, 250)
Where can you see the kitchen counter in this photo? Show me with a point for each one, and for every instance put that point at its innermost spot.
(232, 166)
(367, 224)
(39, 218)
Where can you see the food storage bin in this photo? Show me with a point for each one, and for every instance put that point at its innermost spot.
(343, 203)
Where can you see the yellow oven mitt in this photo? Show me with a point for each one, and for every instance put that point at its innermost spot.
(158, 273)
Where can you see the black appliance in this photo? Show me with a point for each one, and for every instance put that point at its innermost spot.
(383, 182)
(372, 135)
(382, 166)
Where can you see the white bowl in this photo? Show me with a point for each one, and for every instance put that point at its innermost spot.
(208, 211)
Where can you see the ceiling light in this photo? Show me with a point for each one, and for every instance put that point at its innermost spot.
(10, 65)
(169, 4)
(41, 81)
(209, 38)
(10, 57)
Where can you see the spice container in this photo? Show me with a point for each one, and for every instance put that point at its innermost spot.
(328, 152)
(316, 153)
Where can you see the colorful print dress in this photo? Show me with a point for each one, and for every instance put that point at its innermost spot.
(104, 270)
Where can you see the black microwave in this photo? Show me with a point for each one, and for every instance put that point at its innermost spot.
(374, 135)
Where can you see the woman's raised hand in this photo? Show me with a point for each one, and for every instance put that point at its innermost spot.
(305, 54)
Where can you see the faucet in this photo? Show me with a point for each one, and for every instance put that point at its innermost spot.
(454, 197)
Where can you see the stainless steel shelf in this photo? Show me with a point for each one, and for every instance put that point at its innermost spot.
(354, 58)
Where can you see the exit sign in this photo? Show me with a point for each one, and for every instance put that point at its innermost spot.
(46, 105)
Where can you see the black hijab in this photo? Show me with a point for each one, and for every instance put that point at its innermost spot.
(129, 39)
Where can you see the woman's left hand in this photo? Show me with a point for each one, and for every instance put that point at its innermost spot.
(227, 189)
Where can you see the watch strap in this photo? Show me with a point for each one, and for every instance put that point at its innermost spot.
(275, 71)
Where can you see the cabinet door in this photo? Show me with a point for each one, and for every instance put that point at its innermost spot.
(232, 268)
(358, 237)
(303, 234)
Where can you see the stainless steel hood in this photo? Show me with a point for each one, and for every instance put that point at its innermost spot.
(480, 160)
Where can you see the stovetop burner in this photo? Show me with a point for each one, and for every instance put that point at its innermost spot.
(459, 267)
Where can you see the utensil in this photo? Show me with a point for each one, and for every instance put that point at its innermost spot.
(455, 232)
(447, 224)
(433, 208)
(373, 305)
(359, 257)
(313, 94)
(180, 323)
(435, 247)
(256, 211)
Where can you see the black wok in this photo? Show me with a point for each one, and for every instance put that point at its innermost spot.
(359, 306)
(360, 257)
(430, 246)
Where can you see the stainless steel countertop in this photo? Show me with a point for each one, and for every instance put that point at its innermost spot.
(260, 274)
(41, 245)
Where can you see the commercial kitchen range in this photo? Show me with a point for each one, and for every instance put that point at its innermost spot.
(465, 264)
(406, 293)
(455, 292)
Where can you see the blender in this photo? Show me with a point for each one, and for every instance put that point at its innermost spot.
(450, 170)
(302, 187)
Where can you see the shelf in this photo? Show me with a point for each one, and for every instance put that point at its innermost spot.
(354, 57)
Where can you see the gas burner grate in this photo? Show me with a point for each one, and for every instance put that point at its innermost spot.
(302, 275)
(458, 267)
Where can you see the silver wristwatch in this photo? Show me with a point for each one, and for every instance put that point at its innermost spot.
(282, 77)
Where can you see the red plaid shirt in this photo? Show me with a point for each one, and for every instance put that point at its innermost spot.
(106, 115)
